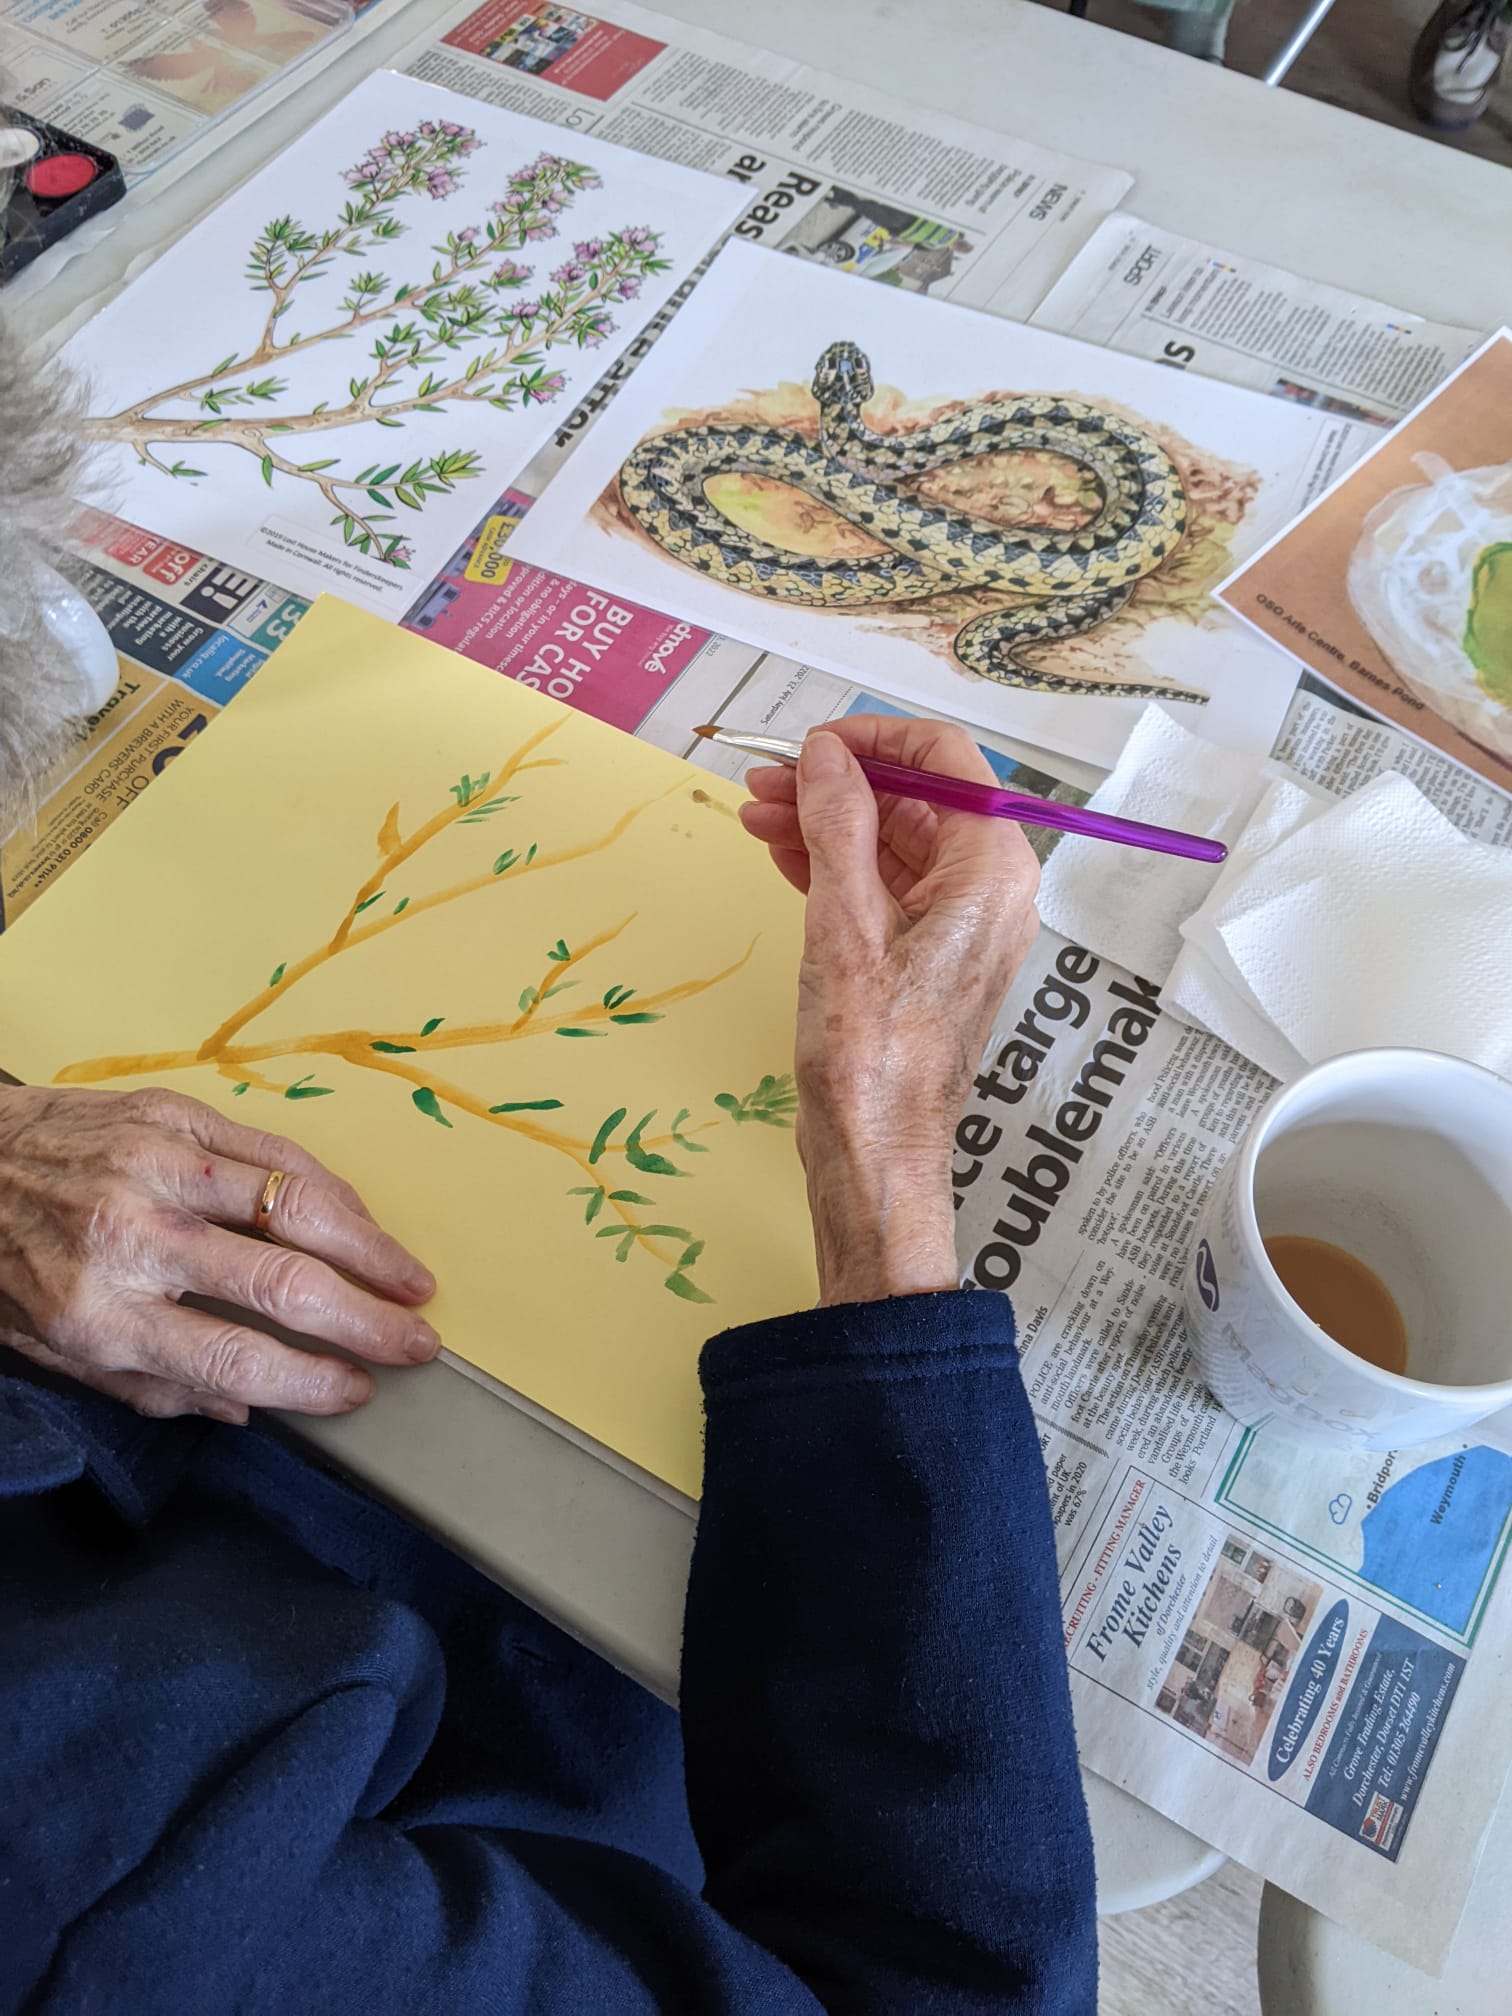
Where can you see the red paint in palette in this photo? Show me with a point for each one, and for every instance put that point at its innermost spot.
(65, 181)
(60, 175)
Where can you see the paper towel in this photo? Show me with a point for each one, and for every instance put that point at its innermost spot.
(1371, 922)
(1128, 905)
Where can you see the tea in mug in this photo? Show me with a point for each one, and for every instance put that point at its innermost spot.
(1343, 1297)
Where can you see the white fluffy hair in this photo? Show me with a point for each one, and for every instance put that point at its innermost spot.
(40, 451)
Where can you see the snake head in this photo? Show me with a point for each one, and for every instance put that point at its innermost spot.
(843, 376)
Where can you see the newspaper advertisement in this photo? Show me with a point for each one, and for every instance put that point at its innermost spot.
(1195, 307)
(837, 173)
(1300, 1654)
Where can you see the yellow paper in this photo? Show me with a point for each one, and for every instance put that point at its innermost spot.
(519, 869)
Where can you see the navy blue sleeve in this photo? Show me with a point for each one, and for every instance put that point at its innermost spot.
(881, 1763)
(265, 1747)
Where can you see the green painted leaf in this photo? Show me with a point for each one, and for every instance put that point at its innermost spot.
(237, 1090)
(692, 1147)
(596, 1204)
(628, 1197)
(666, 1231)
(527, 999)
(430, 1028)
(267, 470)
(394, 1049)
(645, 1159)
(729, 1102)
(527, 1106)
(505, 861)
(640, 1015)
(692, 1253)
(367, 904)
(402, 904)
(305, 1091)
(688, 1290)
(577, 1032)
(560, 987)
(429, 1105)
(276, 975)
(601, 1139)
(559, 951)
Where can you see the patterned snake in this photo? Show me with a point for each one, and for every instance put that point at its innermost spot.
(1069, 581)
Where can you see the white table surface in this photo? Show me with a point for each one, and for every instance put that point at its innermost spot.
(1265, 173)
(1309, 1967)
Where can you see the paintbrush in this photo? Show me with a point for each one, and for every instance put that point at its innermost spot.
(959, 794)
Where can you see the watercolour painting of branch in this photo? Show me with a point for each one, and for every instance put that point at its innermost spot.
(332, 378)
(524, 981)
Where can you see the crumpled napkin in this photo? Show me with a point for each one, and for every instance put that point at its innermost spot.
(1366, 921)
(1129, 905)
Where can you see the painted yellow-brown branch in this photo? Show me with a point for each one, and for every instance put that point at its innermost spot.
(355, 1045)
(399, 850)
(215, 1043)
(557, 969)
(515, 1123)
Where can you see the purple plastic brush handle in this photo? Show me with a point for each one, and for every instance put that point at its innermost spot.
(959, 794)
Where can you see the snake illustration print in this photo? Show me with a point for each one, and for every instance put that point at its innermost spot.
(1068, 582)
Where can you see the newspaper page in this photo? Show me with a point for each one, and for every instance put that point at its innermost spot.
(1298, 1653)
(1192, 306)
(837, 172)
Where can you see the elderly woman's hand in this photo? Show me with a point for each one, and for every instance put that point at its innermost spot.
(115, 1206)
(917, 921)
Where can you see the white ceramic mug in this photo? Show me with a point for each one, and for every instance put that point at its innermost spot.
(1404, 1159)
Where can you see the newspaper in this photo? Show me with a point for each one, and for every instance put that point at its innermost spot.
(837, 172)
(1298, 1653)
(1192, 306)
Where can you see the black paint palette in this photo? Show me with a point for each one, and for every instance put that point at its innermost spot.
(53, 182)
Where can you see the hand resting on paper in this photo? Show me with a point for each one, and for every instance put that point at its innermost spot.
(114, 1206)
(917, 921)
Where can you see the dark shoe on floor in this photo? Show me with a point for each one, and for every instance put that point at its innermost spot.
(1458, 60)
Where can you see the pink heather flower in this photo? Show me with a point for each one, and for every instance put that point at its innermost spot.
(428, 128)
(628, 289)
(589, 249)
(516, 200)
(523, 311)
(470, 145)
(542, 230)
(401, 556)
(510, 275)
(451, 129)
(466, 236)
(406, 139)
(553, 201)
(638, 237)
(440, 183)
(547, 389)
(393, 139)
(568, 274)
(546, 161)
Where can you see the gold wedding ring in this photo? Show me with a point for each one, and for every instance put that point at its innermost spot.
(271, 1189)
